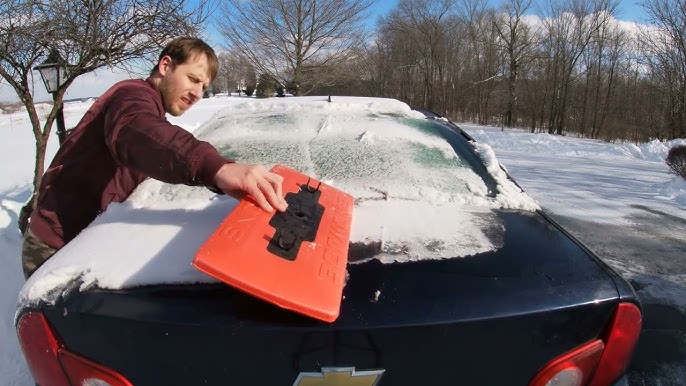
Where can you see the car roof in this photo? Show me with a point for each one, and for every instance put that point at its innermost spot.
(417, 196)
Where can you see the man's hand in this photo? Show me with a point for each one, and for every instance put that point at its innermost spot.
(265, 188)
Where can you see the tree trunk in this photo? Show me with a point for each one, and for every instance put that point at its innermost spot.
(39, 168)
(41, 147)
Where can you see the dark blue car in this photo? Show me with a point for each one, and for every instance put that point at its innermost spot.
(455, 276)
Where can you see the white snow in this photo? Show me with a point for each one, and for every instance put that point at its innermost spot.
(558, 172)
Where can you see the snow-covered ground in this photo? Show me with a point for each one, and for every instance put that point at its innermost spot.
(582, 179)
(612, 186)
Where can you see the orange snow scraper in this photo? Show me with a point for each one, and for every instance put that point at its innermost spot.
(295, 259)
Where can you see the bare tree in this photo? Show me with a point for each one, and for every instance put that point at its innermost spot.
(424, 25)
(235, 72)
(89, 35)
(224, 81)
(299, 42)
(396, 58)
(665, 54)
(483, 54)
(571, 26)
(516, 42)
(606, 53)
(375, 73)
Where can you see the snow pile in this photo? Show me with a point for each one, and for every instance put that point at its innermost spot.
(544, 143)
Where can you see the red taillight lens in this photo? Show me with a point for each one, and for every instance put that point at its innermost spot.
(52, 364)
(597, 363)
(82, 371)
(571, 369)
(620, 343)
(40, 349)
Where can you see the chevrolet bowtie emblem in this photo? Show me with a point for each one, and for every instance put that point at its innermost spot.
(339, 376)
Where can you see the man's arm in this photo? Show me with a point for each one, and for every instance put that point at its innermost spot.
(139, 137)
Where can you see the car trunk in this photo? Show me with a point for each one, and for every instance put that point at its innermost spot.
(493, 318)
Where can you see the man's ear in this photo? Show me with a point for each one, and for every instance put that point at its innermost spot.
(165, 64)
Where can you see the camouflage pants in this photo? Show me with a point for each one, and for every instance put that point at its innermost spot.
(34, 253)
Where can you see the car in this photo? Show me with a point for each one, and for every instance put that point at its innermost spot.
(455, 275)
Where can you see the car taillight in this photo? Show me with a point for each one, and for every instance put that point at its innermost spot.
(620, 343)
(40, 350)
(54, 365)
(82, 371)
(599, 363)
(571, 369)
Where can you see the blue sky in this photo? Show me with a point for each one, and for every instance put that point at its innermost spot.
(629, 9)
(381, 8)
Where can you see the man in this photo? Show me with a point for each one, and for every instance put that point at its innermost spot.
(125, 138)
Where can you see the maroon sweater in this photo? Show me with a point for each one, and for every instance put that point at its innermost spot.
(122, 139)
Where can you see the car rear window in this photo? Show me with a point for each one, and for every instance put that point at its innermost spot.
(415, 197)
(370, 157)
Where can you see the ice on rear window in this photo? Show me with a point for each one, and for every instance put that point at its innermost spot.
(368, 159)
(415, 197)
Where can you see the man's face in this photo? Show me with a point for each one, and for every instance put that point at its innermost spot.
(183, 84)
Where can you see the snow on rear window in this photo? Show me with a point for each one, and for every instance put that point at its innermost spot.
(415, 197)
(371, 155)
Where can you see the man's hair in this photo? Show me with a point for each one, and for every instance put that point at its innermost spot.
(183, 48)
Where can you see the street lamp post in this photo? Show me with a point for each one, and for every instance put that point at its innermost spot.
(53, 71)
